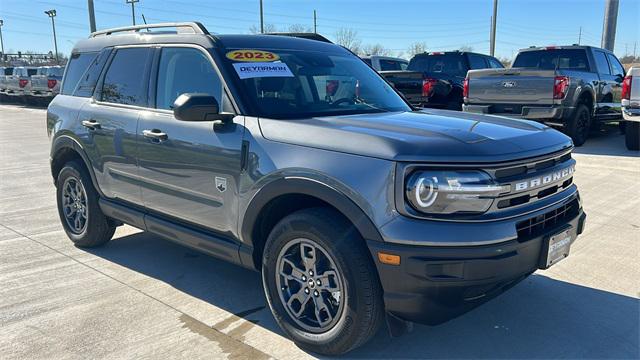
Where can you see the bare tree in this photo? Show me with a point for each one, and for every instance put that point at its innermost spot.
(416, 48)
(375, 49)
(506, 62)
(349, 39)
(268, 28)
(466, 48)
(299, 28)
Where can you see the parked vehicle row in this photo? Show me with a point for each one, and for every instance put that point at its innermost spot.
(574, 88)
(30, 84)
(294, 158)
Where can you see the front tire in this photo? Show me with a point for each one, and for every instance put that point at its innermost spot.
(579, 125)
(320, 282)
(632, 135)
(80, 214)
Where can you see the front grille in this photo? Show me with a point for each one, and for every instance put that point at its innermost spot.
(538, 225)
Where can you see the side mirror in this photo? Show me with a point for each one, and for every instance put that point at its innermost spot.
(198, 107)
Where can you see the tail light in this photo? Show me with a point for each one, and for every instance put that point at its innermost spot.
(626, 88)
(51, 83)
(23, 82)
(428, 85)
(560, 87)
(465, 88)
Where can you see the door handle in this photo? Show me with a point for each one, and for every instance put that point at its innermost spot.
(91, 124)
(155, 134)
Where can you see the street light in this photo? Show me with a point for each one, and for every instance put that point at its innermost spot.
(1, 42)
(52, 14)
(133, 10)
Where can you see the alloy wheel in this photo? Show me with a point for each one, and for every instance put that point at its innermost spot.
(74, 205)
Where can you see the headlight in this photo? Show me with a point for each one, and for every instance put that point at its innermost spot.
(451, 192)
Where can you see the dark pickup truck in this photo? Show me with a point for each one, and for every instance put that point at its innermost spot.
(435, 79)
(572, 87)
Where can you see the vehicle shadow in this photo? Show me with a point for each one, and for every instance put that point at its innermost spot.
(539, 318)
(606, 141)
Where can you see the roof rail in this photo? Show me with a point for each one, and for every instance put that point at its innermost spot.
(194, 28)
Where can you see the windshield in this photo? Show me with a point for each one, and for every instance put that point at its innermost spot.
(446, 63)
(299, 84)
(569, 59)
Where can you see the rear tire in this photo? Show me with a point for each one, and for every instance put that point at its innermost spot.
(632, 135)
(579, 125)
(80, 214)
(352, 295)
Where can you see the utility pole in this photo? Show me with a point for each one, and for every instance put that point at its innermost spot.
(609, 26)
(261, 19)
(92, 16)
(493, 27)
(635, 44)
(580, 35)
(1, 41)
(133, 10)
(315, 22)
(52, 14)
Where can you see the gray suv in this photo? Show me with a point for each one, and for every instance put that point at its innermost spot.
(292, 157)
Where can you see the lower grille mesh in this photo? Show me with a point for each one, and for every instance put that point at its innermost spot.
(538, 225)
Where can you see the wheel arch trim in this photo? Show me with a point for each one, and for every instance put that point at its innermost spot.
(63, 142)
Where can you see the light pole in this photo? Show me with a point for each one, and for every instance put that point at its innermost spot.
(1, 41)
(52, 14)
(133, 10)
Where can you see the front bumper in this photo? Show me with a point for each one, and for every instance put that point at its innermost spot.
(433, 284)
(557, 113)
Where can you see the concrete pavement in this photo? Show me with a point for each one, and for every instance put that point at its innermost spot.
(144, 297)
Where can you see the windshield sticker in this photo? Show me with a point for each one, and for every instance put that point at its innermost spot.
(252, 55)
(262, 69)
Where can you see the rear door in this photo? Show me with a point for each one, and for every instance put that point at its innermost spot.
(112, 119)
(617, 72)
(607, 86)
(189, 170)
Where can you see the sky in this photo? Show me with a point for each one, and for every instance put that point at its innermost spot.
(442, 25)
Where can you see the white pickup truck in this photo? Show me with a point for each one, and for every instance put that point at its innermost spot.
(631, 108)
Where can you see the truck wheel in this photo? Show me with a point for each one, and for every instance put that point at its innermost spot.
(578, 126)
(320, 282)
(632, 135)
(81, 217)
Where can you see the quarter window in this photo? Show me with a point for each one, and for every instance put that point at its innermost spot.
(77, 66)
(124, 82)
(185, 70)
(90, 78)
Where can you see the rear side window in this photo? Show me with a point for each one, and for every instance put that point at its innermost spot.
(124, 82)
(89, 80)
(185, 70)
(477, 62)
(495, 64)
(446, 63)
(616, 68)
(32, 72)
(568, 59)
(75, 69)
(390, 65)
(368, 61)
(601, 63)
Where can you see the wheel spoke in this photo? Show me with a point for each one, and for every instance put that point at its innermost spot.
(328, 281)
(321, 309)
(295, 273)
(302, 298)
(308, 254)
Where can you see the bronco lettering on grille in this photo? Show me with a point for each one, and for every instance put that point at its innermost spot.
(553, 177)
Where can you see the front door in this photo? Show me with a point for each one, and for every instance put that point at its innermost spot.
(189, 170)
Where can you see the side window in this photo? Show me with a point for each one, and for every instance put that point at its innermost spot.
(90, 78)
(601, 63)
(616, 67)
(124, 82)
(75, 68)
(185, 70)
(495, 64)
(477, 61)
(404, 65)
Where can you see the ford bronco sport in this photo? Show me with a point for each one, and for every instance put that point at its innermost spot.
(293, 157)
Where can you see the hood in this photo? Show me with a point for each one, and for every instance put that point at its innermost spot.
(422, 136)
